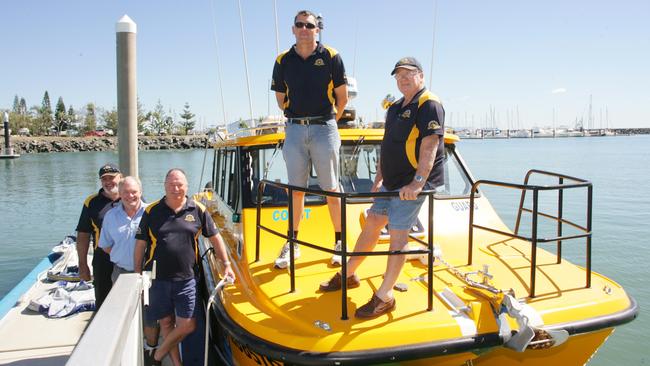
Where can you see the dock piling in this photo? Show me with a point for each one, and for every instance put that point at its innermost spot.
(127, 109)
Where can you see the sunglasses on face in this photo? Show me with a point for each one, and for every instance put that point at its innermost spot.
(304, 25)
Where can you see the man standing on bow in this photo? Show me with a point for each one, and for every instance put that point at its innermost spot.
(90, 222)
(310, 87)
(120, 225)
(412, 160)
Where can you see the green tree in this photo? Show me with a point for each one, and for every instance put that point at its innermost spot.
(187, 124)
(142, 117)
(40, 124)
(23, 106)
(16, 107)
(110, 119)
(73, 124)
(158, 119)
(45, 114)
(60, 116)
(90, 121)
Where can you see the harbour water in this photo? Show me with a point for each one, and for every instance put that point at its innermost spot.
(42, 196)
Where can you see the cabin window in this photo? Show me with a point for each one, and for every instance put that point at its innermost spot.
(232, 179)
(216, 172)
(268, 163)
(358, 164)
(456, 181)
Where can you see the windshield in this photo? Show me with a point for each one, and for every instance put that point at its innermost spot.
(358, 167)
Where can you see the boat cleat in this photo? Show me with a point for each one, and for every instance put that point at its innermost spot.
(323, 325)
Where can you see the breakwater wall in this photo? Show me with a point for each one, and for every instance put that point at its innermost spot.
(29, 145)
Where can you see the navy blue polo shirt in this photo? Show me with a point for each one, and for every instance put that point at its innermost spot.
(308, 84)
(92, 214)
(173, 238)
(404, 130)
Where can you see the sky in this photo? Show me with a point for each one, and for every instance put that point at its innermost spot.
(510, 63)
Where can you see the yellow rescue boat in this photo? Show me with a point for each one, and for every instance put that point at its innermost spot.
(473, 292)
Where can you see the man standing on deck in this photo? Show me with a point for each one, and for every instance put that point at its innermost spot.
(310, 87)
(90, 222)
(411, 161)
(120, 225)
(169, 230)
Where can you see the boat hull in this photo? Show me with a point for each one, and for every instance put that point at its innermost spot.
(578, 350)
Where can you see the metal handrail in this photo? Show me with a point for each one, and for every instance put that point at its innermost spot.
(533, 239)
(343, 252)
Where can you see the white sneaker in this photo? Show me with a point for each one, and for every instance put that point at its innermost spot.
(336, 259)
(283, 259)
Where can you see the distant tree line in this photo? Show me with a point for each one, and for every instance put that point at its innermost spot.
(41, 120)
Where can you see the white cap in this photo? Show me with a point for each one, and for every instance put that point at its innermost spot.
(126, 25)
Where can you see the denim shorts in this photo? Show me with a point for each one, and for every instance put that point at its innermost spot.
(402, 214)
(171, 297)
(319, 144)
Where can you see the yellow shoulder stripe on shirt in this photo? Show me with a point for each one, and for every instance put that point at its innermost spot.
(280, 56)
(148, 209)
(333, 52)
(199, 205)
(427, 95)
(90, 198)
(415, 133)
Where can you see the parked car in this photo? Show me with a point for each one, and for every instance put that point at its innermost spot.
(24, 132)
(95, 133)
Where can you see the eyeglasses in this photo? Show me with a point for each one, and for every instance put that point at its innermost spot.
(405, 75)
(304, 25)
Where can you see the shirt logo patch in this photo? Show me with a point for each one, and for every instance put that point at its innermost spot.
(433, 125)
(189, 218)
(319, 62)
(406, 114)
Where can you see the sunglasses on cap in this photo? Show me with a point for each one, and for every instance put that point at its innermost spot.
(304, 25)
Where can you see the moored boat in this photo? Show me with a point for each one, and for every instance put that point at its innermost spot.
(474, 291)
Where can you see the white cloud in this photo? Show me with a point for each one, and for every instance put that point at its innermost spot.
(558, 91)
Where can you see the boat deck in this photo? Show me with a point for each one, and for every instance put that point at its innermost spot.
(268, 309)
(29, 338)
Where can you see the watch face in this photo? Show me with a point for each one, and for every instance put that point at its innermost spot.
(419, 178)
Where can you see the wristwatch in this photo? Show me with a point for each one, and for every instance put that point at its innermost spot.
(418, 178)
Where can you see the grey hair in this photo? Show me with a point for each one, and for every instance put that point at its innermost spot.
(130, 178)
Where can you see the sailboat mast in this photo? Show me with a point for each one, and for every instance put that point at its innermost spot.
(433, 41)
(243, 44)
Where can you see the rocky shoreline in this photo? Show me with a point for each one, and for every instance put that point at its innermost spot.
(30, 145)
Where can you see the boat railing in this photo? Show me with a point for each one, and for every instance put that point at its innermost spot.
(534, 239)
(114, 337)
(344, 197)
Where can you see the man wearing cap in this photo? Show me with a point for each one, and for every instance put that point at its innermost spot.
(411, 161)
(120, 225)
(90, 222)
(310, 87)
(169, 231)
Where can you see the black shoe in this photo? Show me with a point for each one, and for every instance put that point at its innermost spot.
(148, 358)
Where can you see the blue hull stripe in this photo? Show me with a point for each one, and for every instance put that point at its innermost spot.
(9, 301)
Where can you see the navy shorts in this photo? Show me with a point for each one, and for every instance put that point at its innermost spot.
(171, 297)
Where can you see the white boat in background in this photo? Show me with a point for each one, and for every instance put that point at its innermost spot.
(522, 133)
(540, 132)
(575, 132)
